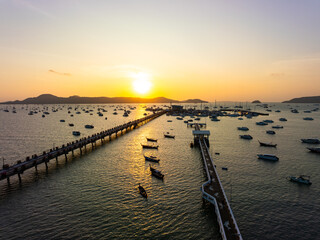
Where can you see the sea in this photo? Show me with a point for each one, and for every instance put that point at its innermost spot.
(95, 195)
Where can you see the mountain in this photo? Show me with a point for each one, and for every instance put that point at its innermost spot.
(51, 99)
(314, 99)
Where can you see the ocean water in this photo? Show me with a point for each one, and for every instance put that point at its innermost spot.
(95, 196)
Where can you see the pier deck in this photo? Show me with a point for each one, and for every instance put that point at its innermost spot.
(45, 157)
(213, 192)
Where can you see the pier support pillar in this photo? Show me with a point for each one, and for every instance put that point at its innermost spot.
(80, 151)
(92, 145)
(36, 167)
(8, 180)
(72, 153)
(57, 158)
(46, 165)
(65, 155)
(19, 177)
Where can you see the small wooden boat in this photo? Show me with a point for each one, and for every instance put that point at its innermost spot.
(142, 191)
(151, 158)
(76, 133)
(267, 144)
(151, 139)
(269, 157)
(301, 179)
(168, 135)
(156, 173)
(149, 146)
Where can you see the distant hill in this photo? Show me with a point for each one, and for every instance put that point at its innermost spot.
(51, 99)
(314, 99)
(256, 101)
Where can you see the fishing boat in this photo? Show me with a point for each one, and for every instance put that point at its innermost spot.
(142, 191)
(308, 118)
(310, 140)
(168, 135)
(316, 150)
(151, 158)
(149, 146)
(89, 126)
(156, 173)
(248, 137)
(267, 144)
(151, 139)
(301, 179)
(71, 124)
(268, 157)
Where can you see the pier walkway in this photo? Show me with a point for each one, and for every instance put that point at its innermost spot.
(214, 193)
(46, 156)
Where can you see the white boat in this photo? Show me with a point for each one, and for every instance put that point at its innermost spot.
(268, 157)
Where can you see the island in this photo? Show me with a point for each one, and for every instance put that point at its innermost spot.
(313, 99)
(52, 99)
(256, 101)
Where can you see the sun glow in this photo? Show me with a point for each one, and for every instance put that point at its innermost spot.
(141, 82)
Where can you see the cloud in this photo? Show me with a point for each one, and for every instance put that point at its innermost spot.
(59, 73)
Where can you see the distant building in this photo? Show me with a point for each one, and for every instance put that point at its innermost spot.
(177, 107)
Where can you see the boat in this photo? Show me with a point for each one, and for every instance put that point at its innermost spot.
(301, 179)
(149, 146)
(115, 113)
(310, 140)
(308, 118)
(249, 137)
(89, 126)
(125, 114)
(62, 120)
(268, 157)
(270, 132)
(71, 124)
(156, 173)
(267, 144)
(294, 111)
(151, 158)
(277, 126)
(243, 128)
(169, 120)
(268, 121)
(168, 135)
(151, 139)
(316, 150)
(283, 119)
(76, 133)
(261, 123)
(142, 191)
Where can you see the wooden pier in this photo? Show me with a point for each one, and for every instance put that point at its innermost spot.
(46, 156)
(213, 191)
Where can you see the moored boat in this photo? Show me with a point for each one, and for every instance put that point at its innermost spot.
(301, 179)
(151, 139)
(270, 132)
(156, 173)
(168, 135)
(267, 144)
(248, 137)
(277, 126)
(151, 158)
(268, 157)
(142, 191)
(89, 126)
(316, 150)
(310, 140)
(76, 133)
(149, 146)
(243, 128)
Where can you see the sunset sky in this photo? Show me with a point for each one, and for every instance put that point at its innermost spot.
(224, 50)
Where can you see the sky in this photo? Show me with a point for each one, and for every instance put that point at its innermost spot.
(235, 50)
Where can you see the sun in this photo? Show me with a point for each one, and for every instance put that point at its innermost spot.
(141, 82)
